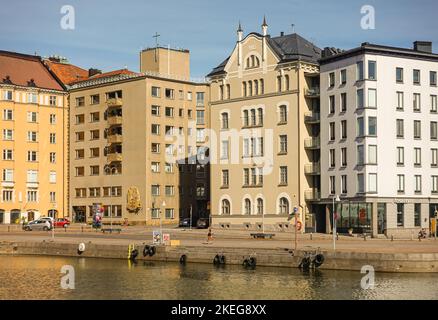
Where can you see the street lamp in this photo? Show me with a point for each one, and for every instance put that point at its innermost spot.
(337, 199)
(163, 204)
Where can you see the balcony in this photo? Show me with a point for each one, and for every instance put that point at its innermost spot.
(114, 157)
(114, 102)
(312, 143)
(311, 117)
(114, 120)
(312, 92)
(312, 168)
(115, 138)
(312, 195)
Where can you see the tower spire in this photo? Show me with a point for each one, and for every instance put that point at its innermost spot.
(264, 26)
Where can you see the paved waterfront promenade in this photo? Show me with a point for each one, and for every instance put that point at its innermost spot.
(222, 239)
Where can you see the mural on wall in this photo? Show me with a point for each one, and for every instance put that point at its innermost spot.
(133, 200)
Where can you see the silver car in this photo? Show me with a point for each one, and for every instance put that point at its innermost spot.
(38, 225)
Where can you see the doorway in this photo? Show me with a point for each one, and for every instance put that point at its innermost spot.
(15, 216)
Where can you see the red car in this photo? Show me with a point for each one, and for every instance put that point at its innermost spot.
(62, 223)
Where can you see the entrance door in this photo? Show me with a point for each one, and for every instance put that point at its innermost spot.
(79, 214)
(381, 218)
(53, 213)
(15, 216)
(30, 216)
(2, 216)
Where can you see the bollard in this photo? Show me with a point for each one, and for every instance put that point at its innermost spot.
(82, 228)
(311, 236)
(364, 237)
(9, 228)
(337, 236)
(392, 237)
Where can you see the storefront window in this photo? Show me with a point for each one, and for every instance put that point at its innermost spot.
(354, 215)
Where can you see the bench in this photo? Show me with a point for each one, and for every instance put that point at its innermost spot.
(111, 230)
(262, 235)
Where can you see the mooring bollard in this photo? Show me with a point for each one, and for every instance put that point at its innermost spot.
(9, 228)
(392, 237)
(311, 236)
(82, 228)
(364, 237)
(337, 236)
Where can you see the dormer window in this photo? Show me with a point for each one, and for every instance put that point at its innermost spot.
(252, 62)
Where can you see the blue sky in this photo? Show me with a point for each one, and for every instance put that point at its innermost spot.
(109, 34)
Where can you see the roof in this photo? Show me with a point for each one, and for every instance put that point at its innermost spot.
(380, 49)
(67, 73)
(27, 71)
(288, 47)
(108, 75)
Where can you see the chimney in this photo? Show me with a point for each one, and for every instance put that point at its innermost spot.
(281, 33)
(423, 46)
(93, 72)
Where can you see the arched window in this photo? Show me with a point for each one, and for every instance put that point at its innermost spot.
(260, 116)
(283, 113)
(224, 120)
(256, 87)
(245, 118)
(279, 84)
(260, 206)
(247, 206)
(225, 208)
(283, 206)
(253, 62)
(250, 88)
(244, 93)
(228, 91)
(262, 86)
(253, 117)
(286, 82)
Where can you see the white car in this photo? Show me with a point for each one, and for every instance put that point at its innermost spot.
(49, 219)
(38, 225)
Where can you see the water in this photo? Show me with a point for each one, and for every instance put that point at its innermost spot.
(40, 278)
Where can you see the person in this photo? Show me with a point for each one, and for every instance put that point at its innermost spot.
(210, 235)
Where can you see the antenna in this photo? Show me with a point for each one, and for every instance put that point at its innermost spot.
(156, 44)
(293, 27)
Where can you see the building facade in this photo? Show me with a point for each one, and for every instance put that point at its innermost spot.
(265, 131)
(379, 138)
(134, 142)
(33, 145)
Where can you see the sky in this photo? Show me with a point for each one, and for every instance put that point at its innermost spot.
(109, 34)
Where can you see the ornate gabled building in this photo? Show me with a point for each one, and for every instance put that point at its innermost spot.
(265, 123)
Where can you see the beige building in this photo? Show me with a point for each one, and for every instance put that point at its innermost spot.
(265, 122)
(131, 136)
(33, 144)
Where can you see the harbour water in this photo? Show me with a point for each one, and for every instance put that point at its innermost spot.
(28, 277)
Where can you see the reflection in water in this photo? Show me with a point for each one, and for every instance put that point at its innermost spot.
(40, 278)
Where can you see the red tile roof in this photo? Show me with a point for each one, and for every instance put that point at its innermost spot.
(66, 72)
(21, 69)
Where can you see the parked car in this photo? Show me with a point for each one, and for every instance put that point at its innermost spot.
(62, 223)
(184, 223)
(202, 223)
(39, 224)
(49, 219)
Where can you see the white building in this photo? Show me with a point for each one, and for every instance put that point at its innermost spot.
(379, 138)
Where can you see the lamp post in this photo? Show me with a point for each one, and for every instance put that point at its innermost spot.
(163, 204)
(335, 198)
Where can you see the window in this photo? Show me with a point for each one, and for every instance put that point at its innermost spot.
(372, 72)
(283, 144)
(200, 98)
(169, 130)
(344, 129)
(52, 138)
(372, 126)
(360, 127)
(417, 214)
(433, 130)
(279, 83)
(94, 192)
(31, 156)
(52, 196)
(343, 76)
(80, 136)
(94, 134)
(416, 76)
(52, 157)
(434, 157)
(155, 148)
(343, 102)
(344, 157)
(332, 184)
(253, 176)
(52, 100)
(94, 99)
(332, 131)
(224, 149)
(94, 116)
(372, 98)
(432, 78)
(417, 179)
(344, 184)
(8, 154)
(433, 103)
(189, 113)
(200, 117)
(169, 93)
(332, 158)
(155, 129)
(224, 121)
(225, 178)
(372, 182)
(116, 191)
(359, 98)
(94, 170)
(52, 119)
(417, 129)
(169, 190)
(32, 117)
(8, 134)
(245, 118)
(155, 213)
(417, 156)
(8, 114)
(400, 214)
(200, 135)
(283, 206)
(168, 111)
(80, 102)
(169, 149)
(52, 177)
(94, 152)
(32, 176)
(32, 98)
(434, 184)
(155, 190)
(168, 167)
(332, 105)
(400, 100)
(32, 196)
(155, 110)
(260, 206)
(400, 156)
(80, 153)
(360, 155)
(331, 79)
(155, 92)
(260, 116)
(80, 192)
(283, 175)
(399, 75)
(8, 175)
(7, 95)
(372, 154)
(360, 183)
(283, 114)
(80, 118)
(401, 183)
(170, 213)
(246, 177)
(7, 195)
(359, 71)
(225, 207)
(417, 102)
(400, 131)
(253, 117)
(155, 167)
(247, 207)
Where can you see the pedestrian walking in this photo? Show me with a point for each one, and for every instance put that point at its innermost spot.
(210, 235)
